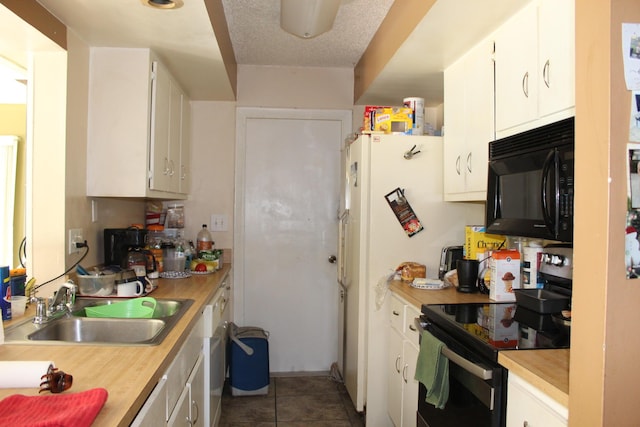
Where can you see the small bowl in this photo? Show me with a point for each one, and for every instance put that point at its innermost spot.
(96, 285)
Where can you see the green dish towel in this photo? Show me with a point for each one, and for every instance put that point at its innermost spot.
(432, 370)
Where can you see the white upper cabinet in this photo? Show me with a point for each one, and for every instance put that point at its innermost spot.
(534, 69)
(138, 131)
(469, 123)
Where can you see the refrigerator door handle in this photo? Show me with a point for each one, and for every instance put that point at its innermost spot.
(342, 252)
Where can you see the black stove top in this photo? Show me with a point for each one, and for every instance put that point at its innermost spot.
(491, 327)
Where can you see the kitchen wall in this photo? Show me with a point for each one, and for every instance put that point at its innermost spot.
(13, 121)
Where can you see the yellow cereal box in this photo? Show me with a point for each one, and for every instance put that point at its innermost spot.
(475, 238)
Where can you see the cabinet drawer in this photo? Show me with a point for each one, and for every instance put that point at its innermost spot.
(396, 313)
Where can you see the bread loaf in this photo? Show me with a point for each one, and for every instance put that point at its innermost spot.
(412, 270)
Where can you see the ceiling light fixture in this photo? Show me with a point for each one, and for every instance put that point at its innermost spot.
(163, 4)
(308, 18)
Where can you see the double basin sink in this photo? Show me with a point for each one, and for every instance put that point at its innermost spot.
(76, 328)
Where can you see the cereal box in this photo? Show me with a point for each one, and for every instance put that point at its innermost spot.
(475, 238)
(388, 120)
(505, 275)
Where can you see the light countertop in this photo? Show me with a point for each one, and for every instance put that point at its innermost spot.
(547, 370)
(130, 373)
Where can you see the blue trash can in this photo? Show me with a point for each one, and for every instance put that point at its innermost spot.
(248, 361)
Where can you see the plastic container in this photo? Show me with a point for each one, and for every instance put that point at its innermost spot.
(5, 293)
(137, 308)
(204, 242)
(97, 285)
(249, 361)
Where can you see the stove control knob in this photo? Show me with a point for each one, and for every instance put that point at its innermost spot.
(557, 260)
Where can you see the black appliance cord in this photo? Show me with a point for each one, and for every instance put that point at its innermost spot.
(81, 245)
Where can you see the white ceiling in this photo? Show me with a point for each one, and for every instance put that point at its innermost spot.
(185, 41)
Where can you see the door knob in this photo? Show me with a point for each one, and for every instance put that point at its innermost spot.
(332, 259)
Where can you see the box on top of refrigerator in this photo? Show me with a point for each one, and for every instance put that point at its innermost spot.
(389, 120)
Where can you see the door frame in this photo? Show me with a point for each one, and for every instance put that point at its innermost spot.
(243, 114)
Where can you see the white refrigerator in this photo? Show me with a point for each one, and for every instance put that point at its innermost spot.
(373, 243)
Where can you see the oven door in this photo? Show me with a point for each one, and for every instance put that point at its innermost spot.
(477, 389)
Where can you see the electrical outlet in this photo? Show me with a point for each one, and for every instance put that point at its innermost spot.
(75, 236)
(219, 222)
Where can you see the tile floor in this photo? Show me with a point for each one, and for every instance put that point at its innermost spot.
(295, 401)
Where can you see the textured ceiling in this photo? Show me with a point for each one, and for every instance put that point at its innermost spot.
(185, 41)
(254, 27)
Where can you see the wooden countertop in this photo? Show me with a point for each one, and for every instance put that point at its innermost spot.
(547, 370)
(130, 373)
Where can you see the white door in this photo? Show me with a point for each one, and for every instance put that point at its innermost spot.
(287, 196)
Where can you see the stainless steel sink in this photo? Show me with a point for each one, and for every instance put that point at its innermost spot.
(86, 330)
(77, 329)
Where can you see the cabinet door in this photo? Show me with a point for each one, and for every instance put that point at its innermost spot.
(185, 146)
(180, 414)
(469, 123)
(455, 128)
(409, 385)
(175, 134)
(154, 410)
(479, 113)
(394, 377)
(528, 406)
(160, 116)
(517, 69)
(556, 37)
(197, 393)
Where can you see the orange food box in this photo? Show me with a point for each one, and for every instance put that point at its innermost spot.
(505, 274)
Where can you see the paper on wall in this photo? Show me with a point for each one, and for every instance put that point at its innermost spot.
(631, 55)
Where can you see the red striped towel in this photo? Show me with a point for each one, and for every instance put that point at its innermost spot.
(56, 410)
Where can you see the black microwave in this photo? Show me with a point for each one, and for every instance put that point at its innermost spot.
(530, 184)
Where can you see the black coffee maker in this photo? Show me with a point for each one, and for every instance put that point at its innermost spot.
(118, 242)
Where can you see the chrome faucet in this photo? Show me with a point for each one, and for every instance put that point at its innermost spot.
(62, 303)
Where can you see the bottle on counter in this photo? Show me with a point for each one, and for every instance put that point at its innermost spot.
(204, 242)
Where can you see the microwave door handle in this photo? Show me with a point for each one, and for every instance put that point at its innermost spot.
(546, 168)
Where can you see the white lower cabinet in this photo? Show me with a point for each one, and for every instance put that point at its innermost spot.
(180, 392)
(529, 407)
(189, 409)
(402, 388)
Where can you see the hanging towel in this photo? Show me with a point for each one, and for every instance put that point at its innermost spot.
(56, 410)
(432, 370)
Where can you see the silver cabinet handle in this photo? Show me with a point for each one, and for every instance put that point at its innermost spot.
(469, 162)
(395, 313)
(545, 73)
(525, 84)
(413, 328)
(397, 359)
(404, 373)
(458, 165)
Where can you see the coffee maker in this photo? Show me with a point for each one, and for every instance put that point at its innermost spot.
(118, 242)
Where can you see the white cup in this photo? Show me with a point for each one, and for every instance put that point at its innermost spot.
(130, 289)
(18, 305)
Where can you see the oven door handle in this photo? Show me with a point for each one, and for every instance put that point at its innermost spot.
(472, 368)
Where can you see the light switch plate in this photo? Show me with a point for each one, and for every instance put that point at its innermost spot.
(219, 222)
